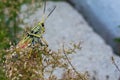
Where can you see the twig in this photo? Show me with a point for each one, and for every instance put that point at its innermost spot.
(71, 63)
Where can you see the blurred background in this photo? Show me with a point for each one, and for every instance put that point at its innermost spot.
(94, 23)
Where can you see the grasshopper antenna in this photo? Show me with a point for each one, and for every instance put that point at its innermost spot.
(51, 12)
(43, 17)
(44, 7)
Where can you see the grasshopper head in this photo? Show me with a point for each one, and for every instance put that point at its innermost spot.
(42, 27)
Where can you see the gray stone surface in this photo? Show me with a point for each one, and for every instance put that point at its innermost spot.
(104, 16)
(66, 25)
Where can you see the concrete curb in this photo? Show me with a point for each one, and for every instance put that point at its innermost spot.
(66, 25)
(104, 16)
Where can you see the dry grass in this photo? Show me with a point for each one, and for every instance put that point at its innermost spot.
(34, 62)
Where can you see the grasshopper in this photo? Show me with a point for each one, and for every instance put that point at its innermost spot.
(36, 33)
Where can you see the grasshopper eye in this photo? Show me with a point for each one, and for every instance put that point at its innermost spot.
(42, 24)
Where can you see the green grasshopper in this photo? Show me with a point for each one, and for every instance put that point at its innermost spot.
(35, 35)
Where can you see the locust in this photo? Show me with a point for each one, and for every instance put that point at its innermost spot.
(35, 35)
